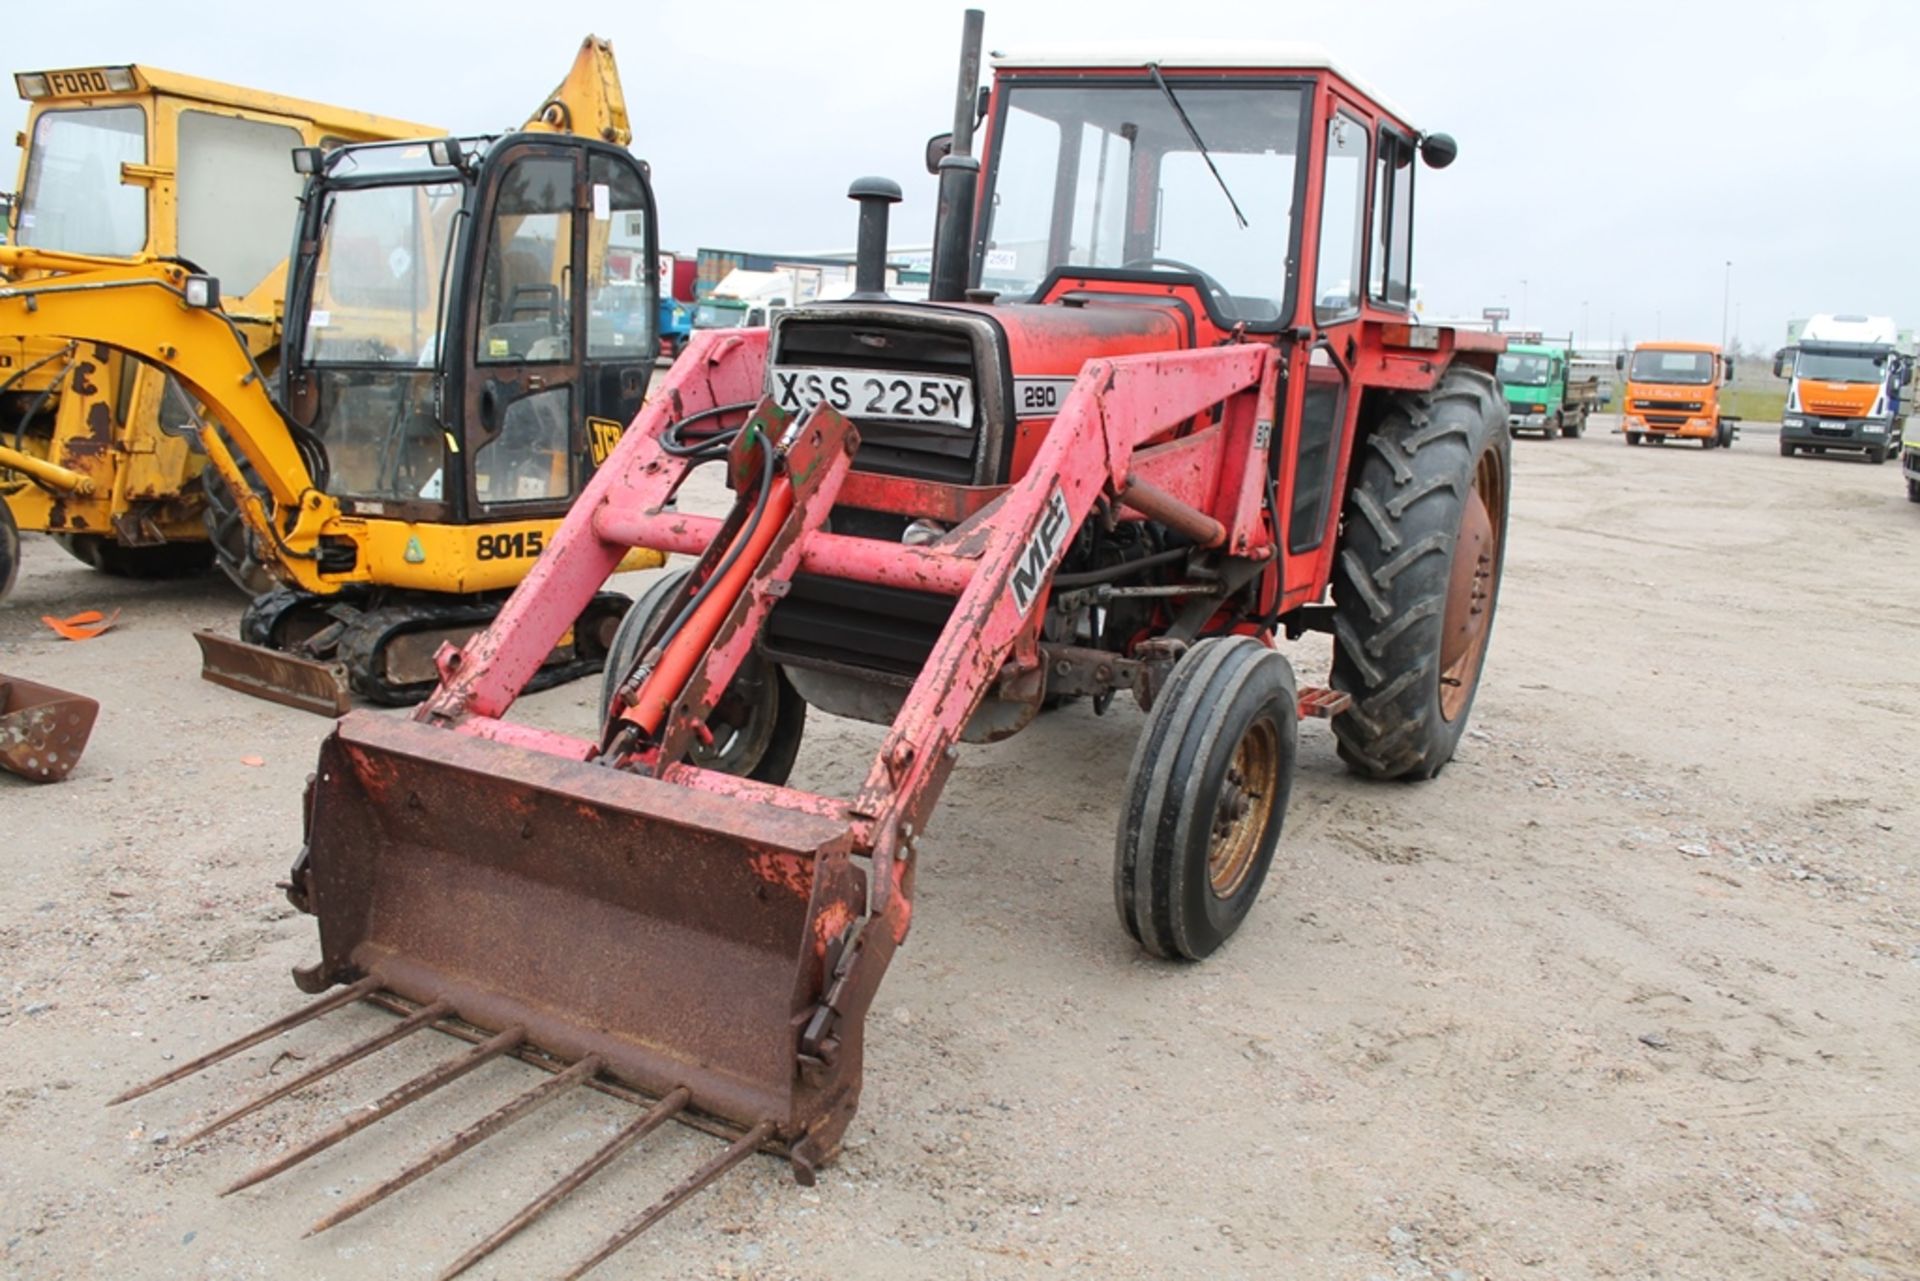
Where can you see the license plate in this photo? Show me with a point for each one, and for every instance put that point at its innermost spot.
(875, 394)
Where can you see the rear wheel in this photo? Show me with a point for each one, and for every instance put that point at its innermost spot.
(757, 724)
(1417, 576)
(9, 550)
(1206, 797)
(163, 560)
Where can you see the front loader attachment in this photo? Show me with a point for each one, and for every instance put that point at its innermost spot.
(681, 938)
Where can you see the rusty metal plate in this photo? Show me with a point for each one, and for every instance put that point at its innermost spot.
(268, 673)
(43, 730)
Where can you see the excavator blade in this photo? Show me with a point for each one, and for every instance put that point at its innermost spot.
(274, 674)
(43, 730)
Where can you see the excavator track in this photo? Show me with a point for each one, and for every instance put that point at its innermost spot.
(318, 652)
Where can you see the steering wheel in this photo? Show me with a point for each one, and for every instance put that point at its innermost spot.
(1214, 287)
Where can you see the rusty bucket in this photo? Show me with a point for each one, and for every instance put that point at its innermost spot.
(43, 730)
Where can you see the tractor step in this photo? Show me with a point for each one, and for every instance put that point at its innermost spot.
(43, 730)
(482, 1047)
(1324, 703)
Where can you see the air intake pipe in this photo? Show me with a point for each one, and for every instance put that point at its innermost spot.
(870, 250)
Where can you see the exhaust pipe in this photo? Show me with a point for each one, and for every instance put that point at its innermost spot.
(870, 251)
(959, 175)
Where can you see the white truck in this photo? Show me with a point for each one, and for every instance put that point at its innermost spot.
(1848, 377)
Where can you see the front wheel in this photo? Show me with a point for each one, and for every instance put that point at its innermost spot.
(1788, 450)
(1417, 576)
(1633, 438)
(757, 723)
(1206, 797)
(1877, 454)
(1913, 493)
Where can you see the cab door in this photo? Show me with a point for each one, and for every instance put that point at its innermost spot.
(556, 364)
(1321, 408)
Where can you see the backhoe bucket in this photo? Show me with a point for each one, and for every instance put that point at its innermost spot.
(43, 730)
(681, 938)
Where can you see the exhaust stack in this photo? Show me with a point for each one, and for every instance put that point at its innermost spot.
(959, 175)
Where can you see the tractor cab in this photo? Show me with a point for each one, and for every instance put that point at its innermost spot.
(469, 321)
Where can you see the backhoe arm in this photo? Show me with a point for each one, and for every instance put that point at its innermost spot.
(141, 308)
(588, 103)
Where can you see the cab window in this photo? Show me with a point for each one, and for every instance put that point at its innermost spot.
(1392, 273)
(236, 195)
(526, 291)
(1342, 212)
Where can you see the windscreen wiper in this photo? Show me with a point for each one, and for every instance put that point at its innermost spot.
(1153, 69)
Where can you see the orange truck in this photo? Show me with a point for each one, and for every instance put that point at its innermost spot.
(1846, 381)
(1673, 392)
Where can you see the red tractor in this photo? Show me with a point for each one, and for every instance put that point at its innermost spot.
(1168, 391)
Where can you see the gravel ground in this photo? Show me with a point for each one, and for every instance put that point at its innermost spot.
(1630, 991)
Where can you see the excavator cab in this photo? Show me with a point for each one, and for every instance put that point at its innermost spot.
(453, 370)
(448, 343)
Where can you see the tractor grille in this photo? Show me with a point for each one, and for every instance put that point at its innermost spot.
(888, 629)
(925, 451)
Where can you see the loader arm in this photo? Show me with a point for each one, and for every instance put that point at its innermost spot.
(141, 308)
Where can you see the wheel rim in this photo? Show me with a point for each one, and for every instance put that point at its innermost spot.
(1473, 585)
(742, 722)
(1244, 808)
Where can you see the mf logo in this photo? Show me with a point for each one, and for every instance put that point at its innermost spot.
(1042, 550)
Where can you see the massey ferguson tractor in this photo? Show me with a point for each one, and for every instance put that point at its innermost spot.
(1167, 394)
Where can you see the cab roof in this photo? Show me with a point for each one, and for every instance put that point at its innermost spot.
(1188, 55)
(1664, 344)
(155, 80)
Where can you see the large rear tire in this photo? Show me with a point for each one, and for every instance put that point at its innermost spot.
(163, 560)
(1417, 576)
(757, 724)
(9, 550)
(1206, 797)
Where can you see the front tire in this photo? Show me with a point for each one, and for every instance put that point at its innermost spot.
(1417, 576)
(758, 722)
(1206, 797)
(1633, 438)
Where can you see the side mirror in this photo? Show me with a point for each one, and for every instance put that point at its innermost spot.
(1620, 363)
(1780, 362)
(1438, 150)
(939, 147)
(1728, 362)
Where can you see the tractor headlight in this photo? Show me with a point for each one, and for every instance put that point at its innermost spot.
(31, 84)
(119, 79)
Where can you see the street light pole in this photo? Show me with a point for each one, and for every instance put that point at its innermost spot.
(1586, 331)
(1726, 293)
(1523, 302)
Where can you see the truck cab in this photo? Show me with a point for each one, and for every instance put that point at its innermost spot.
(1673, 393)
(1541, 390)
(1846, 381)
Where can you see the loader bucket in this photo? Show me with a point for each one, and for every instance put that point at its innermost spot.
(43, 730)
(680, 938)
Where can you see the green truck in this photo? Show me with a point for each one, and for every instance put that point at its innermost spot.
(1542, 391)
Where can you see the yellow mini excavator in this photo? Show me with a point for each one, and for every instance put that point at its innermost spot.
(460, 349)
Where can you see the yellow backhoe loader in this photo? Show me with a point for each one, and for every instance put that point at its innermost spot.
(127, 165)
(459, 352)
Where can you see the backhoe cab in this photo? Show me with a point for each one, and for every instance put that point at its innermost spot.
(1168, 392)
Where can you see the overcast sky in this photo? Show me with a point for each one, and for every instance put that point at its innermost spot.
(1614, 161)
